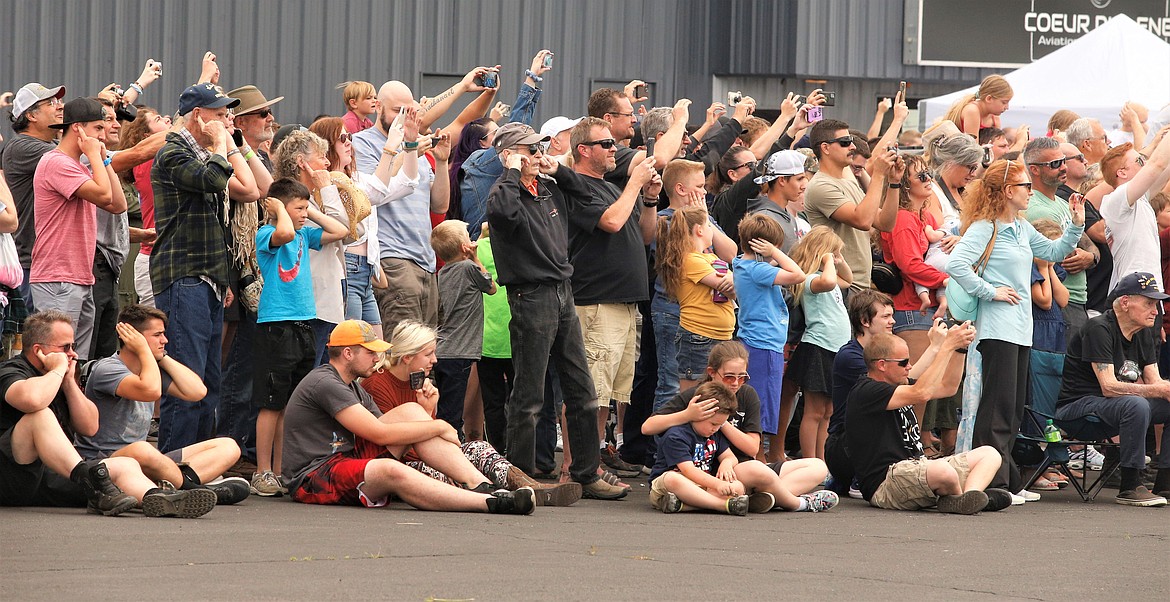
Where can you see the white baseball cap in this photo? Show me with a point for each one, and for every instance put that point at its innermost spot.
(783, 163)
(31, 94)
(558, 124)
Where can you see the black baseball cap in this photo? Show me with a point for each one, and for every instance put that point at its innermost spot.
(81, 110)
(204, 96)
(1138, 283)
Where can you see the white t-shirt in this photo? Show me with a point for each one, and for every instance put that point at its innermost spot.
(1132, 234)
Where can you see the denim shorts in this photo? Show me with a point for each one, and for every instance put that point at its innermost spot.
(913, 320)
(693, 350)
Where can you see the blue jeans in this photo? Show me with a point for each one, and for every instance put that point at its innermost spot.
(545, 328)
(195, 318)
(236, 417)
(666, 339)
(321, 332)
(359, 293)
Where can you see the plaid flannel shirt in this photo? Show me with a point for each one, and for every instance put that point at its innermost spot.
(190, 195)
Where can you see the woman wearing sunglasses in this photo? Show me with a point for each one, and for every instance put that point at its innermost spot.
(996, 387)
(954, 159)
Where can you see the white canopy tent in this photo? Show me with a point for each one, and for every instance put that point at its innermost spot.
(1094, 76)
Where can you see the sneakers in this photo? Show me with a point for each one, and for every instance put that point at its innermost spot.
(1017, 500)
(1086, 456)
(152, 432)
(104, 496)
(819, 501)
(997, 499)
(601, 490)
(1029, 496)
(229, 490)
(560, 441)
(855, 490)
(617, 465)
(188, 503)
(671, 504)
(522, 501)
(738, 505)
(969, 502)
(265, 484)
(1139, 496)
(760, 502)
(558, 494)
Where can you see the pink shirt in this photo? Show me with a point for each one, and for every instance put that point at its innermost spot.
(66, 224)
(145, 200)
(354, 124)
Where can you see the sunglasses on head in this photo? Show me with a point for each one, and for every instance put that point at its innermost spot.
(606, 143)
(844, 141)
(1053, 164)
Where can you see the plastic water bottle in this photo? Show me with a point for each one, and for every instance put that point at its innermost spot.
(1051, 433)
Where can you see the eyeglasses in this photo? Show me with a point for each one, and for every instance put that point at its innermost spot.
(749, 165)
(902, 363)
(1027, 185)
(345, 137)
(923, 176)
(630, 114)
(52, 102)
(1053, 164)
(844, 141)
(606, 143)
(732, 379)
(532, 148)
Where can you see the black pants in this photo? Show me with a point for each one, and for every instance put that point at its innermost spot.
(105, 305)
(839, 463)
(1001, 406)
(495, 383)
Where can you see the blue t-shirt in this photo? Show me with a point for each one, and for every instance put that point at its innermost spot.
(288, 280)
(763, 315)
(682, 444)
(848, 368)
(826, 319)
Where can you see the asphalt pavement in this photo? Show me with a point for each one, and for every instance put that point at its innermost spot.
(273, 549)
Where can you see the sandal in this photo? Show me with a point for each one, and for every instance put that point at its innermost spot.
(1043, 484)
(1057, 478)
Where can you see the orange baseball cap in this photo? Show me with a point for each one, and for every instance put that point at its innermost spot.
(357, 332)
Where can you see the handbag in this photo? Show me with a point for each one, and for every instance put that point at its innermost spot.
(961, 305)
(11, 274)
(886, 277)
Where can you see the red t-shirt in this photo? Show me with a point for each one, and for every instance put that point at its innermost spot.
(145, 199)
(66, 224)
(389, 392)
(905, 246)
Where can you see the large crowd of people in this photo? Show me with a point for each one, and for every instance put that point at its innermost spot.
(398, 304)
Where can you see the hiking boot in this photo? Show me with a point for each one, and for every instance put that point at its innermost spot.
(738, 505)
(556, 494)
(1139, 496)
(521, 501)
(600, 490)
(104, 496)
(671, 504)
(969, 502)
(610, 457)
(230, 490)
(265, 484)
(819, 501)
(761, 502)
(188, 503)
(997, 499)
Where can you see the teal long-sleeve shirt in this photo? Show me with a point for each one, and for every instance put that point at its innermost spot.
(1010, 264)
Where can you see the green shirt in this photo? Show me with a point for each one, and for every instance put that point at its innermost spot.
(497, 341)
(1042, 207)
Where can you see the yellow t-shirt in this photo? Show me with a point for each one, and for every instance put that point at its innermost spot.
(698, 313)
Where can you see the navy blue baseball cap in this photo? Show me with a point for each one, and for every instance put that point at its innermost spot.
(1138, 283)
(204, 96)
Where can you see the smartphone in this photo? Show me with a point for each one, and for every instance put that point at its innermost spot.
(238, 137)
(815, 114)
(417, 379)
(830, 99)
(548, 60)
(490, 79)
(733, 98)
(902, 90)
(640, 91)
(986, 155)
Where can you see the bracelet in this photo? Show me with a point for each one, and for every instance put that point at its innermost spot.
(234, 151)
(249, 155)
(61, 374)
(136, 87)
(894, 186)
(649, 201)
(109, 159)
(410, 145)
(536, 78)
(390, 151)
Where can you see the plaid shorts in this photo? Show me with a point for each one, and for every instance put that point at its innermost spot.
(338, 480)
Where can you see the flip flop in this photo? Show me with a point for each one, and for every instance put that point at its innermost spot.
(1043, 484)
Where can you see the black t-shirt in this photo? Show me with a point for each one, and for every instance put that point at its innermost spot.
(746, 416)
(848, 368)
(729, 207)
(607, 268)
(18, 369)
(620, 175)
(878, 438)
(1101, 341)
(21, 156)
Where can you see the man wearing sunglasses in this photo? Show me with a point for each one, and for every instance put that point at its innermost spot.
(617, 108)
(1048, 167)
(884, 437)
(254, 120)
(529, 223)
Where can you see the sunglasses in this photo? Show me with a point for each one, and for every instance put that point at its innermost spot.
(732, 379)
(606, 143)
(262, 113)
(345, 137)
(532, 148)
(1027, 185)
(749, 165)
(902, 363)
(1080, 158)
(1053, 164)
(66, 347)
(923, 176)
(844, 141)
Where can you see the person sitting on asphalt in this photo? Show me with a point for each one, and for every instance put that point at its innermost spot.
(884, 441)
(1111, 372)
(43, 407)
(124, 388)
(401, 379)
(339, 448)
(790, 482)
